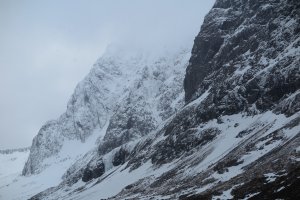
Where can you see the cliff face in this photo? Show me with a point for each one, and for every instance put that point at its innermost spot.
(247, 53)
(124, 97)
(88, 109)
(235, 136)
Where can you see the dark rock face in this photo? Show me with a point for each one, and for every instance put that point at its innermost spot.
(244, 53)
(93, 170)
(120, 157)
(171, 148)
(284, 187)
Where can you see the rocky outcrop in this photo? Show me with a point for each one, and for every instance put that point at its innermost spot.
(10, 151)
(248, 53)
(94, 169)
(120, 157)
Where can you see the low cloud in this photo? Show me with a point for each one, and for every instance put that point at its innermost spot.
(47, 47)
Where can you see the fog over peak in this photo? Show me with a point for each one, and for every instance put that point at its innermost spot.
(47, 47)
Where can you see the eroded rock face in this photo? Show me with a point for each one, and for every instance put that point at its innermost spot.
(155, 95)
(172, 148)
(247, 53)
(94, 169)
(120, 157)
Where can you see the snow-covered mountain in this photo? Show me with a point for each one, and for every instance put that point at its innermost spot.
(141, 127)
(126, 95)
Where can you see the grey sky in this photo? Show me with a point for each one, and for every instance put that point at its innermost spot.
(47, 47)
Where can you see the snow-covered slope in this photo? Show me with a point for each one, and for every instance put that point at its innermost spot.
(236, 135)
(218, 155)
(126, 95)
(11, 165)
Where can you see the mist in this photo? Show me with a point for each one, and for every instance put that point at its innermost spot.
(47, 47)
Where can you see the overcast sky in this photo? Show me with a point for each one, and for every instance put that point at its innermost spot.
(47, 47)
